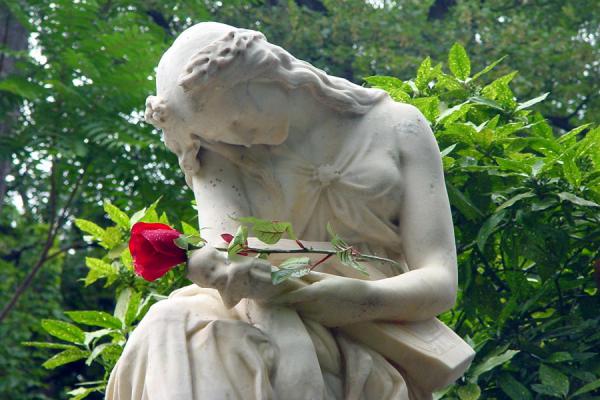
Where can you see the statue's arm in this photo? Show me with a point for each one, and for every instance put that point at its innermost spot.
(426, 229)
(219, 194)
(429, 288)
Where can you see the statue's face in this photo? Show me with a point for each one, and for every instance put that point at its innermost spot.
(249, 113)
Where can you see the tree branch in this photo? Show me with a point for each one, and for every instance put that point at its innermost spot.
(53, 229)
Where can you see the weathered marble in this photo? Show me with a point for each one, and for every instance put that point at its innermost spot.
(259, 132)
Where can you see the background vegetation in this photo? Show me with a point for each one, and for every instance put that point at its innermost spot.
(523, 174)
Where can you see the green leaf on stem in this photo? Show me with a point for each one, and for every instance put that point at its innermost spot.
(294, 267)
(48, 345)
(100, 269)
(65, 357)
(554, 379)
(491, 362)
(63, 330)
(269, 232)
(532, 102)
(513, 388)
(116, 215)
(91, 228)
(488, 68)
(95, 318)
(238, 243)
(564, 196)
(458, 62)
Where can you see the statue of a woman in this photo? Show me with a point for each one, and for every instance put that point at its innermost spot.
(261, 133)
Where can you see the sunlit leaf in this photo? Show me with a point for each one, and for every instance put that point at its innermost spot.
(458, 62)
(63, 330)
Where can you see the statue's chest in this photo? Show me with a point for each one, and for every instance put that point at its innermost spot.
(326, 181)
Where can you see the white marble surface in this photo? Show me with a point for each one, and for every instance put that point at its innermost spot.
(259, 132)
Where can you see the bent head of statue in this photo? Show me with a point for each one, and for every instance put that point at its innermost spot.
(223, 84)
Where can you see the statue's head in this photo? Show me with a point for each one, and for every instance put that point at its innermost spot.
(224, 84)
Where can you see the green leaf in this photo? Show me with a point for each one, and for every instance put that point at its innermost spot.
(397, 89)
(116, 215)
(137, 216)
(64, 357)
(95, 318)
(123, 304)
(546, 390)
(100, 269)
(116, 251)
(487, 228)
(559, 357)
(164, 219)
(458, 62)
(491, 363)
(572, 134)
(238, 243)
(453, 114)
(280, 275)
(91, 228)
(112, 352)
(429, 106)
(269, 232)
(181, 242)
(447, 150)
(486, 102)
(21, 87)
(554, 379)
(532, 102)
(423, 74)
(385, 82)
(571, 171)
(513, 388)
(48, 345)
(463, 203)
(63, 330)
(514, 199)
(91, 336)
(470, 391)
(95, 353)
(146, 214)
(295, 263)
(188, 229)
(587, 388)
(133, 307)
(564, 196)
(488, 68)
(81, 392)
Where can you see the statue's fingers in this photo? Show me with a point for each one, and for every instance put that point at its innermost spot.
(230, 300)
(261, 275)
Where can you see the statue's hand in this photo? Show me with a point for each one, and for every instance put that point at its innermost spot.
(247, 277)
(335, 301)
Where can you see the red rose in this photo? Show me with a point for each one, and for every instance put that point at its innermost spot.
(153, 249)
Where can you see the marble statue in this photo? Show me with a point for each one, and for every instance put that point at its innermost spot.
(260, 133)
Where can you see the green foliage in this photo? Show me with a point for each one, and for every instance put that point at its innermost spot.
(525, 206)
(80, 140)
(103, 344)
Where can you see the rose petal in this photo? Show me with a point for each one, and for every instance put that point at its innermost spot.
(227, 237)
(153, 251)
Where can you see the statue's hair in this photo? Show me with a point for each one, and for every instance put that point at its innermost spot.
(243, 55)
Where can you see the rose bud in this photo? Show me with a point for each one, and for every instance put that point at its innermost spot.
(153, 249)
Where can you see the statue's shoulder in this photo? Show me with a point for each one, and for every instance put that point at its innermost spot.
(408, 128)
